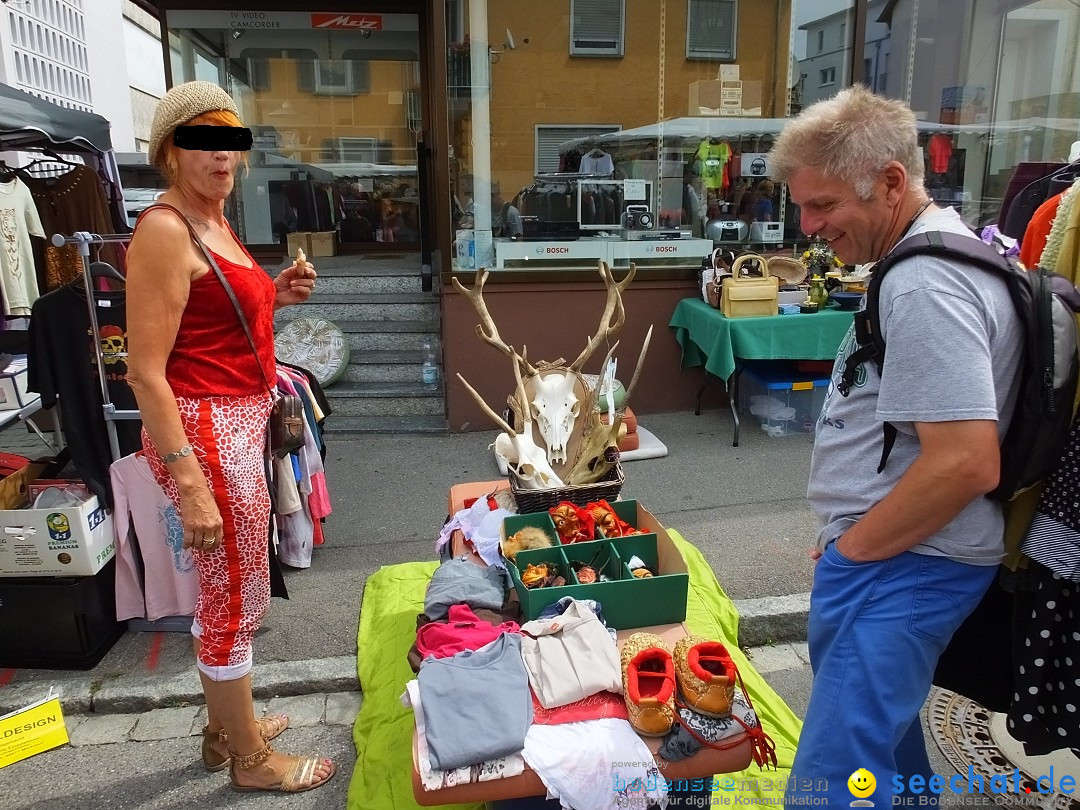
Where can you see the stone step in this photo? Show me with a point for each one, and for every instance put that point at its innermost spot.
(392, 365)
(368, 284)
(346, 425)
(374, 307)
(349, 398)
(369, 336)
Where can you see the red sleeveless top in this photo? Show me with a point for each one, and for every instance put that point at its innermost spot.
(211, 355)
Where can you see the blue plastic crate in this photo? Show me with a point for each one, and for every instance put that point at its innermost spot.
(780, 399)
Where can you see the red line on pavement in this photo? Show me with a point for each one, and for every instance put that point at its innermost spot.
(6, 676)
(155, 651)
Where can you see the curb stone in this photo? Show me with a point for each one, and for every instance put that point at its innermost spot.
(773, 619)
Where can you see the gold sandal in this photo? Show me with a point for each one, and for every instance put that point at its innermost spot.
(297, 779)
(270, 727)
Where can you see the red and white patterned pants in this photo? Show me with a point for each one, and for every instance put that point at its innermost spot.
(228, 435)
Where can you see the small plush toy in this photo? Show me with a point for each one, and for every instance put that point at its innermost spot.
(528, 538)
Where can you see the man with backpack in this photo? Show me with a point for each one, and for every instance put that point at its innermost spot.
(908, 543)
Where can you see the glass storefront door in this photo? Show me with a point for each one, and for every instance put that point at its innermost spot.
(334, 103)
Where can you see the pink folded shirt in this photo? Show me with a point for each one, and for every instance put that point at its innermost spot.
(464, 630)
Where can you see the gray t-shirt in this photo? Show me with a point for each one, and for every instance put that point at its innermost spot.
(953, 346)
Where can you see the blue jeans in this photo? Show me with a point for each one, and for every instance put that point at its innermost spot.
(876, 632)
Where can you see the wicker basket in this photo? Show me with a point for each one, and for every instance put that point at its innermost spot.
(541, 500)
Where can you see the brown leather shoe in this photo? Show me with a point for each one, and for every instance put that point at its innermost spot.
(648, 684)
(706, 675)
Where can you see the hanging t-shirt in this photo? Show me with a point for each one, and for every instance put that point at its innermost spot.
(598, 163)
(168, 584)
(940, 149)
(62, 364)
(74, 201)
(1038, 231)
(713, 160)
(19, 221)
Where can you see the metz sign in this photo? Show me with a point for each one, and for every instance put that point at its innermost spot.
(358, 22)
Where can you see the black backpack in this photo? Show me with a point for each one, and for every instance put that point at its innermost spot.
(1049, 365)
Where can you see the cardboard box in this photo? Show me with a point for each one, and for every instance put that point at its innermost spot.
(72, 541)
(323, 244)
(13, 393)
(627, 601)
(300, 239)
(725, 97)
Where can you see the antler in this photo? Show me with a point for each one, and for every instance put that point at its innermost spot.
(640, 363)
(486, 329)
(613, 307)
(487, 409)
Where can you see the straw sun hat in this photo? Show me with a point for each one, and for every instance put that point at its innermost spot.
(180, 105)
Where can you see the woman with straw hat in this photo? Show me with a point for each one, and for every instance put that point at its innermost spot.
(203, 393)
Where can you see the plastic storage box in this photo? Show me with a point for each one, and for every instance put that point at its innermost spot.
(58, 622)
(781, 399)
(625, 600)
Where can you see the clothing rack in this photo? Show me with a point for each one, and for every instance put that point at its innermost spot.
(561, 177)
(84, 239)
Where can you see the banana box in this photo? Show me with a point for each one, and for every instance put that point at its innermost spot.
(61, 541)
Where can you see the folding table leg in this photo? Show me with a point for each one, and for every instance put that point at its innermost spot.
(732, 386)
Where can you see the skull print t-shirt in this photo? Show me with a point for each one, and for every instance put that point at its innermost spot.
(63, 365)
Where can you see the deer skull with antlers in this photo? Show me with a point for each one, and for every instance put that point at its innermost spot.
(554, 397)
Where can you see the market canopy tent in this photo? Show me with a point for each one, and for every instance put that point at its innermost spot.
(692, 129)
(25, 118)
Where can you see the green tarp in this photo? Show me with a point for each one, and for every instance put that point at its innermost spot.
(393, 597)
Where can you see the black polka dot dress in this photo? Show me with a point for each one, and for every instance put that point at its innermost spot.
(1045, 710)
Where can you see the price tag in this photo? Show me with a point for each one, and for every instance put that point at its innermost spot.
(633, 190)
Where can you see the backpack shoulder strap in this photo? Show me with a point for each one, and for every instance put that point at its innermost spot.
(868, 323)
(930, 243)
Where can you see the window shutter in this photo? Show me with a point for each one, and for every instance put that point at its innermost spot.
(549, 138)
(596, 27)
(710, 29)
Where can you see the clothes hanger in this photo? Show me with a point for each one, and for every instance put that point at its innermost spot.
(50, 157)
(100, 269)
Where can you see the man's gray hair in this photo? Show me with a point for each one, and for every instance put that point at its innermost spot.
(851, 136)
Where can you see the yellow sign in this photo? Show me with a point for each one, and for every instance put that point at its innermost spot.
(39, 727)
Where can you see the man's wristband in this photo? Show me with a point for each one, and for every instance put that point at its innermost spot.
(186, 450)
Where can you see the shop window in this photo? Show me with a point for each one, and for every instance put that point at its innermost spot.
(333, 77)
(253, 67)
(551, 136)
(596, 27)
(828, 76)
(710, 29)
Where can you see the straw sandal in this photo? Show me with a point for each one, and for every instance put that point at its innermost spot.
(706, 676)
(299, 778)
(270, 727)
(648, 675)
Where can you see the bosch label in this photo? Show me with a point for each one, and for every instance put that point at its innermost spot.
(551, 250)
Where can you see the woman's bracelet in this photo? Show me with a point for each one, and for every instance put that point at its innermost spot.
(186, 450)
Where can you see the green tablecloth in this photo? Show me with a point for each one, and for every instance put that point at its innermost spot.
(708, 338)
